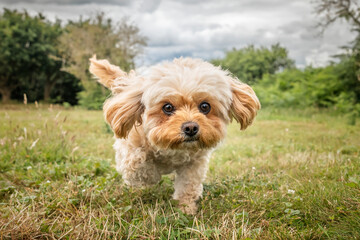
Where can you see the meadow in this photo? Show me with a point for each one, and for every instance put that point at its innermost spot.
(294, 174)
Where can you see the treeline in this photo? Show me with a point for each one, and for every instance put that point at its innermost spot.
(49, 60)
(279, 83)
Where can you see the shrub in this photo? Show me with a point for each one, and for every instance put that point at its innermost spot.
(93, 97)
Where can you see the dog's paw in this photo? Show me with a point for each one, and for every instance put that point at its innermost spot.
(188, 208)
(139, 182)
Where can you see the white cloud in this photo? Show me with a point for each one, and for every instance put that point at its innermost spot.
(206, 29)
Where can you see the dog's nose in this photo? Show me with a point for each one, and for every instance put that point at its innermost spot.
(190, 128)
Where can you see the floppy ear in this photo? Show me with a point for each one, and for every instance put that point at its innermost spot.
(244, 104)
(123, 110)
(105, 72)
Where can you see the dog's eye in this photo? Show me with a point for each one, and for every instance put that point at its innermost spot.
(204, 107)
(168, 109)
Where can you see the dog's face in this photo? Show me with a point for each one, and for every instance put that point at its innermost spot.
(181, 105)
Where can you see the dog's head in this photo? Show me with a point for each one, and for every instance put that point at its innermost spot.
(183, 104)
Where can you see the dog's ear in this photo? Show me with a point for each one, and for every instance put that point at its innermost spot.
(123, 110)
(244, 104)
(105, 72)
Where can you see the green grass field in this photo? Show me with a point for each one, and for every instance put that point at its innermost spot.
(294, 174)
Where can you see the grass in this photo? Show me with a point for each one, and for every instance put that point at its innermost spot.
(292, 175)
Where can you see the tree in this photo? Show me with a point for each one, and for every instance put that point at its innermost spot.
(66, 89)
(52, 64)
(29, 55)
(21, 48)
(119, 43)
(330, 11)
(249, 64)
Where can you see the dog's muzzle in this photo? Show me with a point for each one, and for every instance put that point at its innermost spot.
(190, 130)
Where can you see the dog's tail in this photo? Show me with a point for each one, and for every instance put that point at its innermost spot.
(109, 75)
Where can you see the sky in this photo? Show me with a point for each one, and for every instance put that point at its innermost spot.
(208, 28)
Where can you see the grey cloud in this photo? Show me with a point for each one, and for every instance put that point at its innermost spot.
(148, 5)
(207, 29)
(70, 2)
(293, 27)
(264, 4)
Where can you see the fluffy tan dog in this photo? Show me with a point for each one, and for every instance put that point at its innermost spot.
(171, 119)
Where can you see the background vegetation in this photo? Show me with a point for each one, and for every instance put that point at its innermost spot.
(279, 83)
(49, 61)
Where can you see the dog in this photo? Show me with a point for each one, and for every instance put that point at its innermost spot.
(170, 119)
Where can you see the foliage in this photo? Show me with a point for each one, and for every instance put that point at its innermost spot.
(250, 64)
(278, 83)
(30, 57)
(66, 89)
(120, 43)
(330, 11)
(297, 177)
(93, 97)
(333, 10)
(332, 86)
(50, 61)
(24, 45)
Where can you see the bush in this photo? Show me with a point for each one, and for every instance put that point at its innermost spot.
(93, 97)
(317, 87)
(250, 63)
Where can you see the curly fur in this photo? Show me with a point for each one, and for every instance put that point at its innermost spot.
(150, 143)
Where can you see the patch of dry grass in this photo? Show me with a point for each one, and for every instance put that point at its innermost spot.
(292, 175)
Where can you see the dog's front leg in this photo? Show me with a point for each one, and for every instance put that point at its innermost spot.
(188, 185)
(136, 169)
(138, 173)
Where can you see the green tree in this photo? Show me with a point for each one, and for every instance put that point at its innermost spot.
(317, 87)
(250, 64)
(30, 56)
(66, 89)
(348, 69)
(119, 43)
(22, 46)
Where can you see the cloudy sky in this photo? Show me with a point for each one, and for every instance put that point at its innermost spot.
(207, 28)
